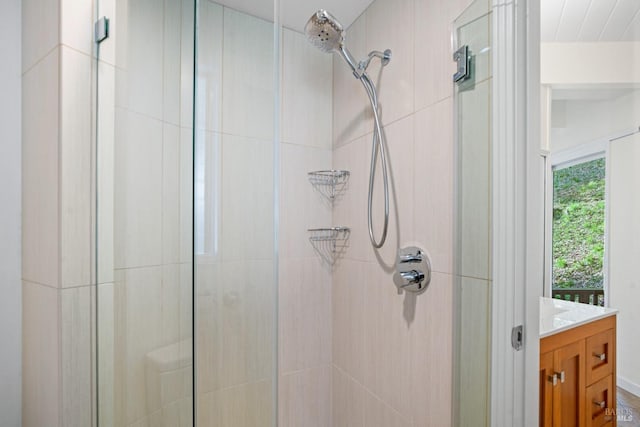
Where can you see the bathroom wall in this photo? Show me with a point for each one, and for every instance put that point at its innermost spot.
(572, 121)
(305, 331)
(624, 231)
(56, 213)
(607, 63)
(392, 352)
(10, 215)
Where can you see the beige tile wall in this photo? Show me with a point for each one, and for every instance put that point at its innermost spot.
(393, 352)
(56, 111)
(304, 278)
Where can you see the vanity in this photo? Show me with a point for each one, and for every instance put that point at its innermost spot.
(577, 364)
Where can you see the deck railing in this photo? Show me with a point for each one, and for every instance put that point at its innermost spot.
(583, 295)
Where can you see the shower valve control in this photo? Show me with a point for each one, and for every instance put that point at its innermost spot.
(412, 257)
(413, 269)
(412, 277)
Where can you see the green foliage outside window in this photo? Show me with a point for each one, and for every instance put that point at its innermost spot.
(578, 225)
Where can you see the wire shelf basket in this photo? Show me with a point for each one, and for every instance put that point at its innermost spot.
(329, 182)
(329, 234)
(329, 242)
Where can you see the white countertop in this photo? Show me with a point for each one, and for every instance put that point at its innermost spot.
(558, 315)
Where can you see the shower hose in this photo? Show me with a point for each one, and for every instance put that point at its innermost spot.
(376, 144)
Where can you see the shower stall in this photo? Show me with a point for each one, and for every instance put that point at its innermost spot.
(253, 196)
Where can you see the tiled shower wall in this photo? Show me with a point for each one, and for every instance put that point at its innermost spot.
(392, 353)
(56, 207)
(304, 277)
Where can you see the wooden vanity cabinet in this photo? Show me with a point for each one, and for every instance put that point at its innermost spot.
(578, 376)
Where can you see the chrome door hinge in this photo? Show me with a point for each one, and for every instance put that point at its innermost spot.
(517, 337)
(463, 62)
(101, 29)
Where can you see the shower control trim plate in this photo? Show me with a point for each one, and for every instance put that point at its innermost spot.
(413, 270)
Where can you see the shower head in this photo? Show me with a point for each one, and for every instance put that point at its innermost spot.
(324, 31)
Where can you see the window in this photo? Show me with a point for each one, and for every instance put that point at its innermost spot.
(578, 230)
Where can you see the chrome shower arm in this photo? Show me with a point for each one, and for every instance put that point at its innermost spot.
(360, 68)
(385, 57)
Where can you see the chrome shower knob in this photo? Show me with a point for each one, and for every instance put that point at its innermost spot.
(412, 277)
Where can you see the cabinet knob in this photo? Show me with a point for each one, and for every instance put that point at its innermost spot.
(601, 405)
(601, 356)
(562, 376)
(553, 379)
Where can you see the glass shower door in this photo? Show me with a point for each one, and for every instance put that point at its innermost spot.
(235, 198)
(144, 214)
(473, 220)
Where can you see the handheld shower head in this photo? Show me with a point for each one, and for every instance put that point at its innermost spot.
(324, 31)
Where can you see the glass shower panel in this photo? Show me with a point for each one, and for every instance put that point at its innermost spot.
(234, 199)
(144, 214)
(473, 216)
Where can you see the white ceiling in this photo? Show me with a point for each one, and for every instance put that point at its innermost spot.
(295, 13)
(590, 20)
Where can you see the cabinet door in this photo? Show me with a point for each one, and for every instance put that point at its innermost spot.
(568, 395)
(546, 389)
(599, 403)
(600, 356)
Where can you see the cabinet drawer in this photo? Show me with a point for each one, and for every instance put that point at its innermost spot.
(600, 401)
(600, 356)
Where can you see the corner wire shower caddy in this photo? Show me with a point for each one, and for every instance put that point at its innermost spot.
(330, 183)
(329, 242)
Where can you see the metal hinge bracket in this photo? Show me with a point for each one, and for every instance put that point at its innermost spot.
(463, 62)
(517, 337)
(101, 29)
